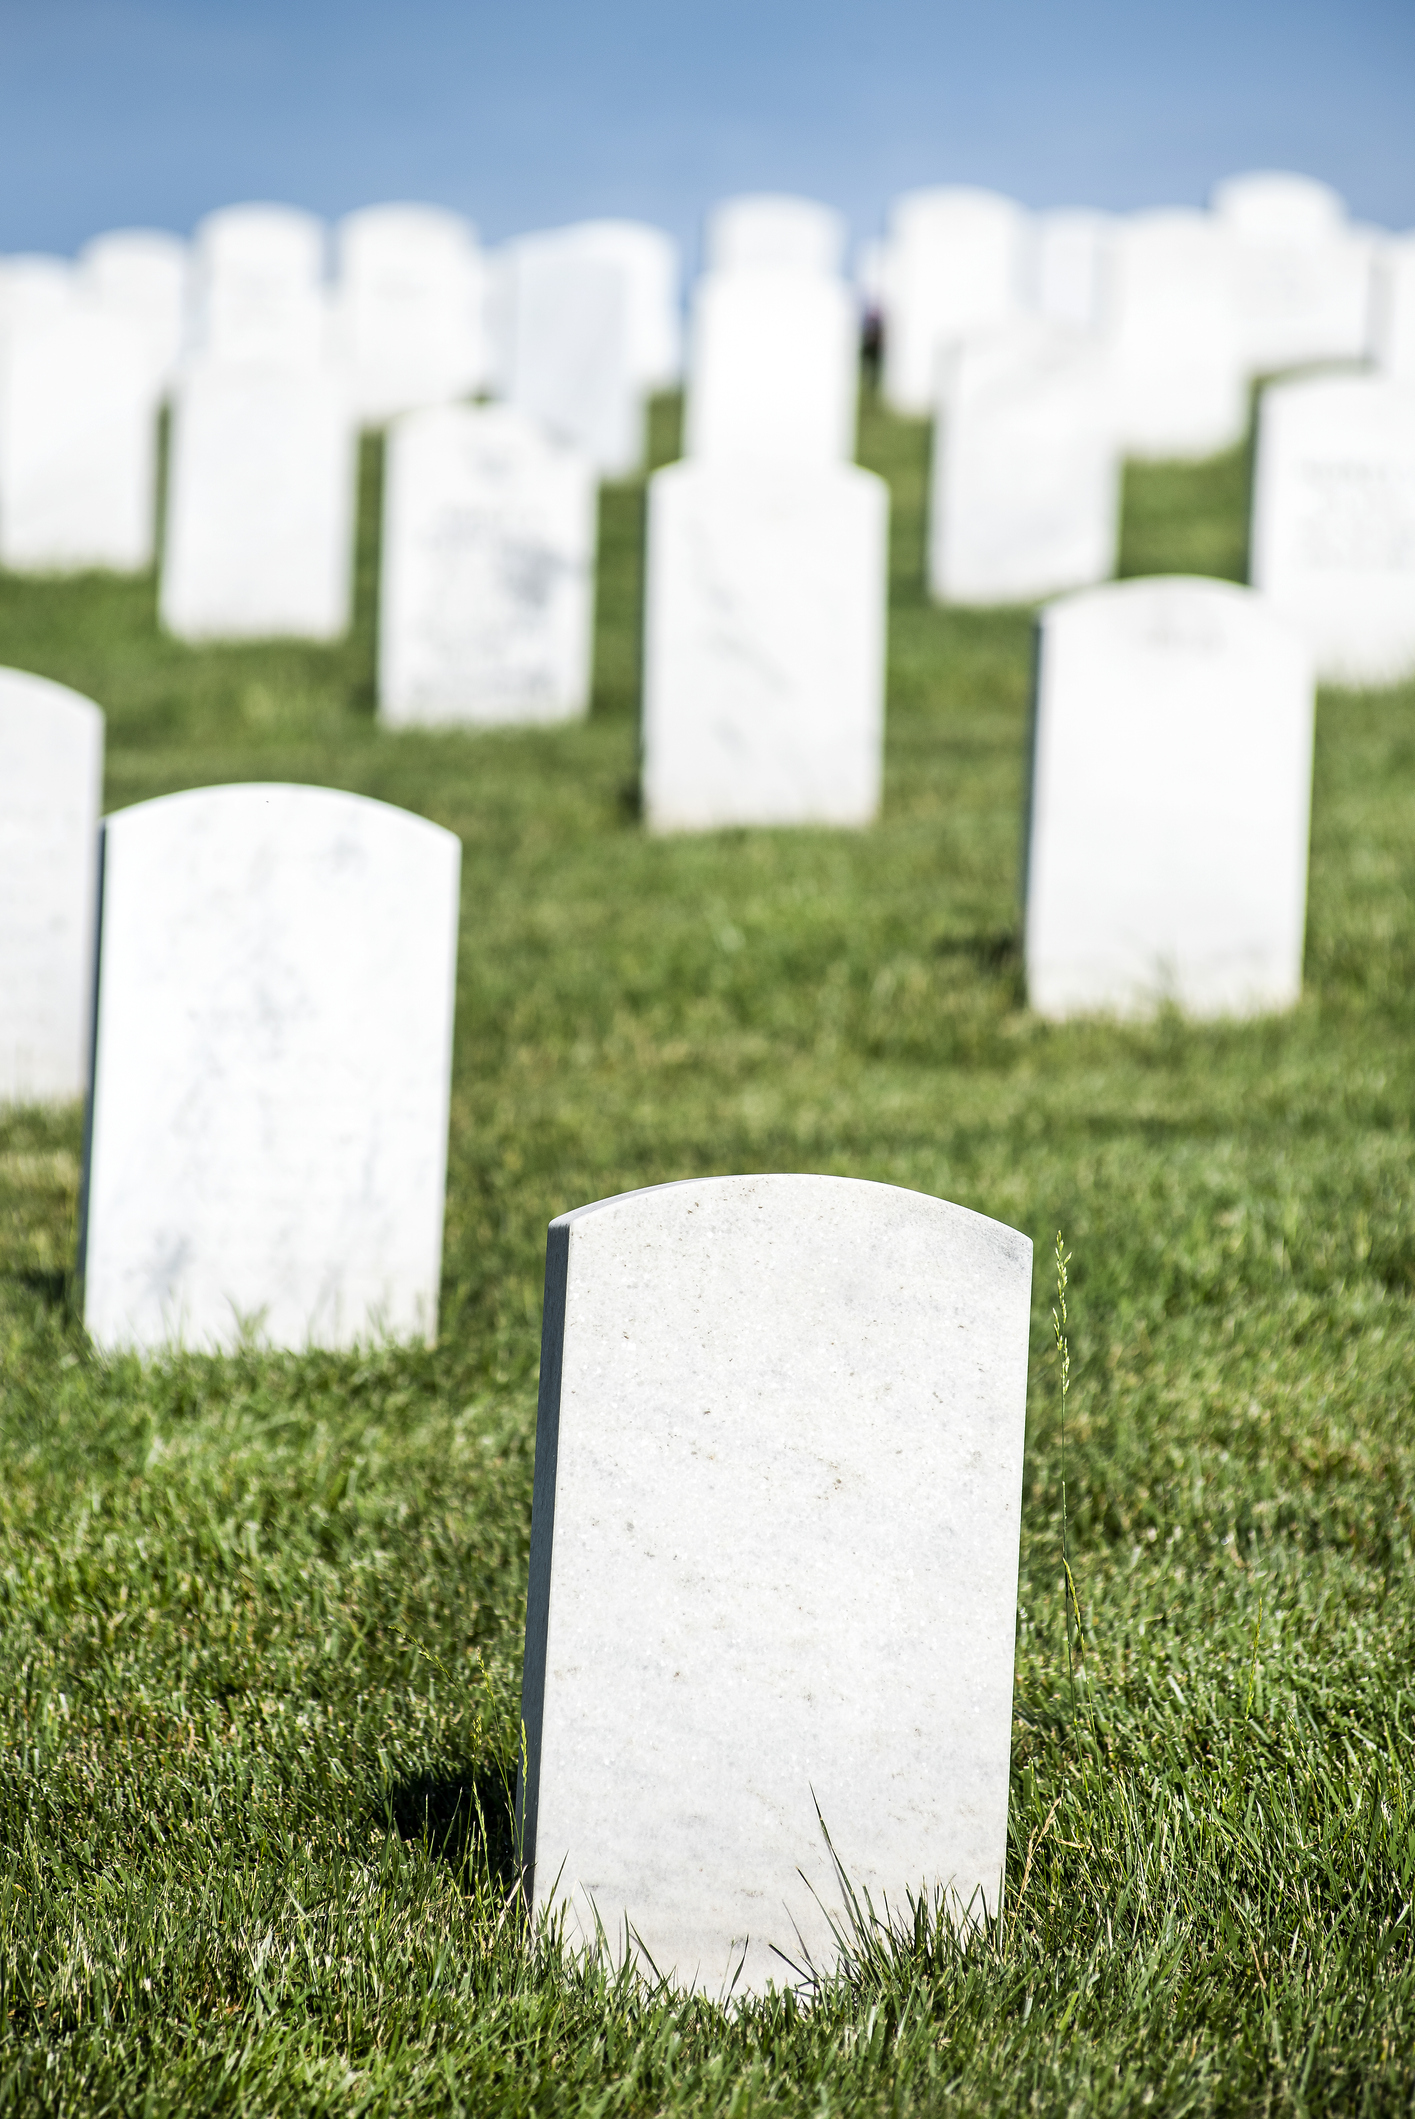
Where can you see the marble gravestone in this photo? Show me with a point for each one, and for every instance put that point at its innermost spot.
(276, 974)
(141, 273)
(487, 592)
(764, 645)
(1171, 793)
(78, 442)
(567, 356)
(51, 785)
(1070, 267)
(1024, 500)
(1178, 375)
(409, 308)
(1333, 541)
(773, 232)
(32, 283)
(1393, 310)
(648, 261)
(258, 287)
(773, 1578)
(260, 506)
(955, 264)
(774, 370)
(1301, 275)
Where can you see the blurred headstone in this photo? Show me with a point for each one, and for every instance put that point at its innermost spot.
(774, 373)
(409, 308)
(487, 591)
(956, 264)
(1333, 543)
(778, 1493)
(567, 332)
(1178, 374)
(51, 785)
(1171, 795)
(1070, 254)
(1393, 309)
(272, 1062)
(141, 274)
(774, 231)
(648, 259)
(764, 645)
(258, 287)
(1301, 273)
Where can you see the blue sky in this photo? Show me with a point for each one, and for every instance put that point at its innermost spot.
(115, 112)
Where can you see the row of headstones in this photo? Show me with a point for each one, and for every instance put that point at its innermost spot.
(1167, 846)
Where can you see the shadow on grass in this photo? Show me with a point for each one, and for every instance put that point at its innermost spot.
(466, 1820)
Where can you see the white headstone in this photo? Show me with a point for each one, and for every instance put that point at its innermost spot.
(141, 273)
(1301, 273)
(271, 1075)
(51, 784)
(568, 358)
(1024, 500)
(649, 261)
(1179, 377)
(1171, 793)
(773, 1577)
(1070, 256)
(956, 265)
(259, 287)
(487, 591)
(32, 284)
(1393, 309)
(1272, 204)
(774, 231)
(1333, 540)
(260, 506)
(409, 308)
(78, 442)
(764, 646)
(774, 374)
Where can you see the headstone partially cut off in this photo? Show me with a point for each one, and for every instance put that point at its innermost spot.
(271, 1071)
(773, 1578)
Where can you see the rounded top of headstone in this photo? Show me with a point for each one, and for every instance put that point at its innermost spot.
(401, 222)
(24, 694)
(1176, 614)
(1274, 204)
(262, 231)
(248, 805)
(777, 230)
(138, 245)
(944, 208)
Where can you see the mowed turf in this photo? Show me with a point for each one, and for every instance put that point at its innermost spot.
(259, 1662)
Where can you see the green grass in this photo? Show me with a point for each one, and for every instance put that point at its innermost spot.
(259, 1662)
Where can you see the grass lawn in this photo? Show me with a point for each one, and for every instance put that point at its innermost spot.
(260, 1653)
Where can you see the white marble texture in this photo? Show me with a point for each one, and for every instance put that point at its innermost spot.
(1178, 368)
(260, 505)
(1171, 793)
(956, 264)
(51, 785)
(1333, 541)
(1393, 309)
(774, 374)
(567, 359)
(648, 259)
(258, 287)
(487, 590)
(408, 309)
(774, 231)
(1070, 263)
(277, 968)
(78, 441)
(141, 273)
(764, 646)
(774, 1548)
(1024, 498)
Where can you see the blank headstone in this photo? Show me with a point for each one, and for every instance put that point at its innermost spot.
(269, 1137)
(1301, 273)
(774, 374)
(764, 646)
(774, 231)
(1393, 310)
(1333, 540)
(259, 287)
(487, 593)
(1024, 500)
(774, 1548)
(51, 784)
(568, 349)
(78, 442)
(32, 283)
(956, 265)
(648, 260)
(141, 273)
(1171, 793)
(409, 308)
(260, 506)
(1070, 254)
(1178, 372)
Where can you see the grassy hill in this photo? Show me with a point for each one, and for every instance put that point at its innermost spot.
(259, 1660)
